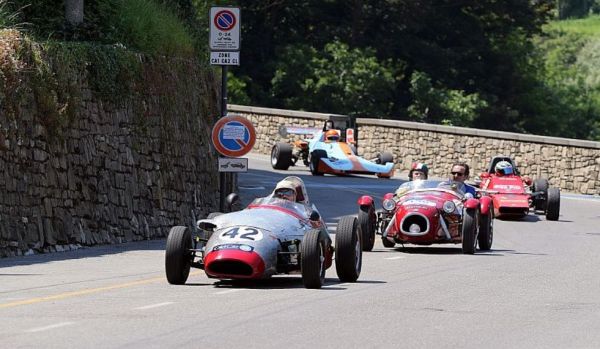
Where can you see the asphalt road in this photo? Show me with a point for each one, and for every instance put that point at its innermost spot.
(537, 288)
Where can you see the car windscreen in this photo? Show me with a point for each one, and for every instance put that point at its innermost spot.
(455, 186)
(272, 202)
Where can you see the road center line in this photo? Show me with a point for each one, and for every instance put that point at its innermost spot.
(154, 306)
(392, 258)
(84, 292)
(50, 327)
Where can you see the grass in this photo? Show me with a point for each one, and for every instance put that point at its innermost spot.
(8, 19)
(152, 28)
(589, 26)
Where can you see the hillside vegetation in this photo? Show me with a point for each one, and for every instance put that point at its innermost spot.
(502, 65)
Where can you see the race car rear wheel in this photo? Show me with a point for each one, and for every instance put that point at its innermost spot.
(367, 223)
(281, 156)
(486, 231)
(348, 253)
(178, 257)
(469, 231)
(540, 185)
(315, 159)
(312, 260)
(385, 157)
(553, 204)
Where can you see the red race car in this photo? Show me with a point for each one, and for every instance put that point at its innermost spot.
(428, 212)
(514, 195)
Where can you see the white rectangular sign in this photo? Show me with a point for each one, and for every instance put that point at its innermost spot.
(233, 164)
(224, 29)
(225, 58)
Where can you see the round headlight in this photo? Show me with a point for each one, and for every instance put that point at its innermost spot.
(389, 204)
(414, 229)
(449, 207)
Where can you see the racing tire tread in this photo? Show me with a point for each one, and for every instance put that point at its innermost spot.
(553, 204)
(346, 238)
(485, 238)
(315, 158)
(469, 231)
(177, 255)
(281, 156)
(312, 267)
(540, 184)
(367, 227)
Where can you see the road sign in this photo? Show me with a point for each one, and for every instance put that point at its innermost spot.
(224, 29)
(225, 58)
(233, 164)
(233, 136)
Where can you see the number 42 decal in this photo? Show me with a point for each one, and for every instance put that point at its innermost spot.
(242, 233)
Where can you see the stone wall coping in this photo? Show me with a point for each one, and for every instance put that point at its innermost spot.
(280, 112)
(479, 133)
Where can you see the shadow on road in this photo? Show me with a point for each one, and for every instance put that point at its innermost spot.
(285, 282)
(84, 252)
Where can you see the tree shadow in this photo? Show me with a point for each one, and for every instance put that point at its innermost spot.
(84, 252)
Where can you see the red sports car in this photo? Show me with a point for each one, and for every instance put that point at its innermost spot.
(514, 195)
(428, 212)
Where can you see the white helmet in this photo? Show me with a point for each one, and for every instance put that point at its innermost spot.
(504, 168)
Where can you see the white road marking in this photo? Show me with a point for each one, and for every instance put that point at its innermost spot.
(392, 258)
(154, 306)
(50, 327)
(228, 291)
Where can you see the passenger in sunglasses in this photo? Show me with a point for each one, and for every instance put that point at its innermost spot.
(460, 173)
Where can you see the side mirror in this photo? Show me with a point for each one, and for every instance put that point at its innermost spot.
(232, 199)
(315, 216)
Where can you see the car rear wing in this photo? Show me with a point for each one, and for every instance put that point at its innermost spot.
(311, 132)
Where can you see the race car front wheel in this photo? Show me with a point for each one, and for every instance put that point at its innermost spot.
(486, 231)
(469, 231)
(553, 204)
(178, 257)
(315, 159)
(312, 260)
(366, 223)
(540, 185)
(348, 252)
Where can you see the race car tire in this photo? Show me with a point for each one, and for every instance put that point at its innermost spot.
(366, 224)
(348, 252)
(281, 156)
(553, 204)
(315, 158)
(385, 157)
(177, 256)
(540, 185)
(469, 231)
(486, 231)
(312, 260)
(387, 243)
(213, 215)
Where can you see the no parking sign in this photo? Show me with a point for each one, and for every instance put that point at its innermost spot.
(233, 136)
(224, 29)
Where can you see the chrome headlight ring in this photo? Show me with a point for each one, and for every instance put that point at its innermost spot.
(449, 207)
(389, 204)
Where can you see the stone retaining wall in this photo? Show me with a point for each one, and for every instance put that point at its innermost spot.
(573, 165)
(116, 171)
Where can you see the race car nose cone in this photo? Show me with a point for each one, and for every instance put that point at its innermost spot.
(234, 264)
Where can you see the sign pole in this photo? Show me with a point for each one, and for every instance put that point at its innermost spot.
(223, 176)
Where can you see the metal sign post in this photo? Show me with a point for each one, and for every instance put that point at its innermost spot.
(224, 43)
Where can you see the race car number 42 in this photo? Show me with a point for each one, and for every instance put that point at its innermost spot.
(242, 234)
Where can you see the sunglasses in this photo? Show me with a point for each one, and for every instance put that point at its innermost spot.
(457, 173)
